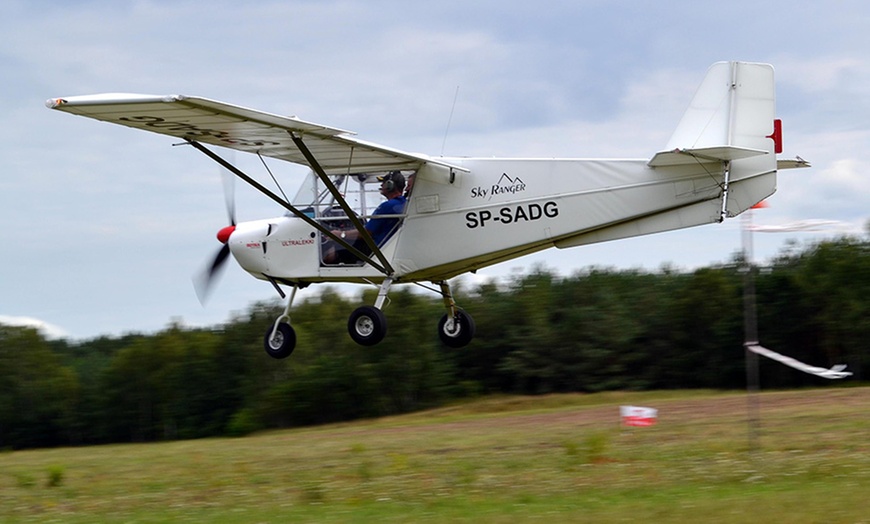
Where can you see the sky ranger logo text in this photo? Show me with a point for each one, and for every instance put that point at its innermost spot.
(505, 186)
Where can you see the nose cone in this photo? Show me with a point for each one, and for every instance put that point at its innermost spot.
(224, 234)
(247, 243)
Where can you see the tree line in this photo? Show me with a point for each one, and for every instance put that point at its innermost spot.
(598, 329)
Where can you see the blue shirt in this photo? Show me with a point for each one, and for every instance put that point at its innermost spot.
(382, 229)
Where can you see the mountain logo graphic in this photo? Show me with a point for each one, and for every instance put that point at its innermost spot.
(506, 185)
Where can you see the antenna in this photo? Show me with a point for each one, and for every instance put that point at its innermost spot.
(450, 119)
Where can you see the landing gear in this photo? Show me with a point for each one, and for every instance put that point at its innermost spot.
(280, 340)
(456, 331)
(456, 328)
(367, 325)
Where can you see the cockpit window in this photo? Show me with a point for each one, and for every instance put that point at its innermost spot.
(361, 191)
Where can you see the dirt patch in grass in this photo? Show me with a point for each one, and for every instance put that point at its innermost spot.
(575, 411)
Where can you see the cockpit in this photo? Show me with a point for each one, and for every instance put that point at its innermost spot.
(361, 192)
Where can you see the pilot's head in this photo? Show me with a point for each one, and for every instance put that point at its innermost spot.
(392, 183)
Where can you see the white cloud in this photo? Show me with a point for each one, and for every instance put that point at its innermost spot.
(47, 330)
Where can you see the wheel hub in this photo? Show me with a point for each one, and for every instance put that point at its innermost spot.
(276, 341)
(452, 327)
(365, 326)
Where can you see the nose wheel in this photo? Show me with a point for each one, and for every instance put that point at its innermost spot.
(280, 340)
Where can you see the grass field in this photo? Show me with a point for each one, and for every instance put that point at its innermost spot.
(563, 458)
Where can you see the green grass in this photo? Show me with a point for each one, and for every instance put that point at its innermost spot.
(504, 459)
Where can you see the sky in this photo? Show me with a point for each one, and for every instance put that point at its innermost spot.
(102, 227)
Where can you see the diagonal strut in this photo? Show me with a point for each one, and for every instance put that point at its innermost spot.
(363, 232)
(289, 207)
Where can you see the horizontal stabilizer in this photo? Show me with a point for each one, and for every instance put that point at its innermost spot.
(792, 163)
(678, 157)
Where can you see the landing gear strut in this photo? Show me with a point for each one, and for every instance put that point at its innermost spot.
(456, 328)
(280, 339)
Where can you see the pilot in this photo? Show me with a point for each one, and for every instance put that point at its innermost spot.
(410, 186)
(381, 229)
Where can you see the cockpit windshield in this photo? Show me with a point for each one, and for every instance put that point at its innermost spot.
(359, 190)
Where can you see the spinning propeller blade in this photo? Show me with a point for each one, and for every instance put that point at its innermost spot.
(205, 279)
(229, 182)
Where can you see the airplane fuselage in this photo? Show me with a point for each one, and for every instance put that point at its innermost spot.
(499, 209)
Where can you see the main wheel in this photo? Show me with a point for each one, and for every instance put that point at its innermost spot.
(456, 331)
(367, 325)
(283, 343)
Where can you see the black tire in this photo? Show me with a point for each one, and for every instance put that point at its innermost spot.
(367, 325)
(283, 343)
(456, 332)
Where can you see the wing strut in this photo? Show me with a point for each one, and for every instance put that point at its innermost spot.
(363, 232)
(289, 207)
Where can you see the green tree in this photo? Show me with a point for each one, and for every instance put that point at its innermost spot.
(37, 393)
(707, 342)
(167, 386)
(835, 276)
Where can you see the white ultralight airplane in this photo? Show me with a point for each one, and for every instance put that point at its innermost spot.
(461, 214)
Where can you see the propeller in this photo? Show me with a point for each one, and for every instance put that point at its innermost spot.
(205, 279)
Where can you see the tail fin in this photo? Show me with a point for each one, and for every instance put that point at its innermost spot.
(731, 119)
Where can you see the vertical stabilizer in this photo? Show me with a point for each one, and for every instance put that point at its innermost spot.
(734, 106)
(731, 120)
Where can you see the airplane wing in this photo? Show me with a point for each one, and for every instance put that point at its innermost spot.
(217, 123)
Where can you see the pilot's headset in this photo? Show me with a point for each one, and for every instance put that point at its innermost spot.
(392, 181)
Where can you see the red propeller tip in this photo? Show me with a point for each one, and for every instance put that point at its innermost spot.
(224, 234)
